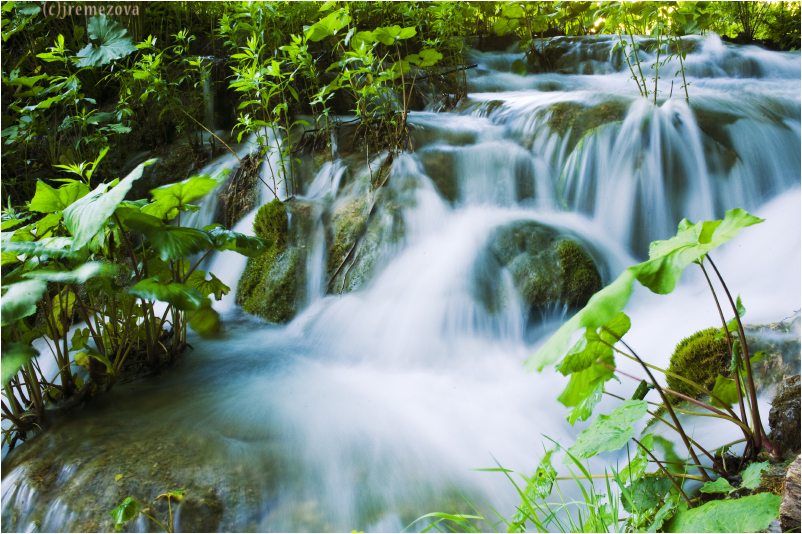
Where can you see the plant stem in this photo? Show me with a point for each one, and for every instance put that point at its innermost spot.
(757, 427)
(682, 69)
(729, 341)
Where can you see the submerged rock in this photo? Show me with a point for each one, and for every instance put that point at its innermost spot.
(272, 285)
(547, 267)
(577, 119)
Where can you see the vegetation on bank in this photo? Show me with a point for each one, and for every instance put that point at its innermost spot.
(84, 94)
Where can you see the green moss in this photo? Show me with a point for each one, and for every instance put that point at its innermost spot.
(580, 119)
(699, 358)
(439, 166)
(269, 285)
(546, 268)
(580, 278)
(272, 222)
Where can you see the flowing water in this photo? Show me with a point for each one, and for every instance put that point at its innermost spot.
(371, 408)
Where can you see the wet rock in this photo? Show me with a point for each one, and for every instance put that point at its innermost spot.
(790, 506)
(578, 119)
(240, 194)
(272, 285)
(492, 42)
(547, 267)
(348, 224)
(784, 417)
(439, 166)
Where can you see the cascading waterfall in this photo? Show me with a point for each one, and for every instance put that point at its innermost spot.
(371, 407)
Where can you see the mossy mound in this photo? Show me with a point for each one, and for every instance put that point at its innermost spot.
(547, 266)
(563, 117)
(272, 284)
(700, 358)
(271, 222)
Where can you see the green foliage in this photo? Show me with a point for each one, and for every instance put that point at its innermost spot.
(19, 300)
(608, 432)
(178, 295)
(719, 486)
(172, 198)
(747, 514)
(660, 274)
(15, 355)
(114, 42)
(751, 475)
(49, 200)
(123, 513)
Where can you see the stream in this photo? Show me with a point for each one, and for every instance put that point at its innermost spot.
(374, 407)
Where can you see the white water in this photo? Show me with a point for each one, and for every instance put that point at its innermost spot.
(377, 403)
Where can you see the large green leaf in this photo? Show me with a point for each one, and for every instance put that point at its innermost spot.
(328, 25)
(85, 217)
(15, 355)
(721, 485)
(77, 276)
(114, 42)
(181, 296)
(206, 320)
(20, 300)
(207, 287)
(747, 514)
(725, 389)
(168, 199)
(608, 432)
(645, 493)
(660, 274)
(246, 245)
(663, 514)
(584, 353)
(751, 475)
(584, 409)
(124, 513)
(175, 242)
(48, 200)
(390, 34)
(54, 247)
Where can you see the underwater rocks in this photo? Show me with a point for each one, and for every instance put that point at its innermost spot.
(547, 267)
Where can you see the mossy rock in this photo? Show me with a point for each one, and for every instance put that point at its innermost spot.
(438, 164)
(700, 358)
(348, 223)
(547, 267)
(240, 193)
(384, 229)
(272, 284)
(563, 117)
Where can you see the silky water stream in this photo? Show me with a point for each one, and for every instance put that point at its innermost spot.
(371, 408)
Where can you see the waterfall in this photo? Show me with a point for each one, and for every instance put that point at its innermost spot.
(370, 407)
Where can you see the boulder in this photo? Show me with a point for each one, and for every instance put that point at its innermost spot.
(790, 505)
(272, 285)
(547, 267)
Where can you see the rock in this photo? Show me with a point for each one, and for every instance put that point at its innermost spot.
(547, 267)
(790, 506)
(175, 163)
(578, 119)
(348, 223)
(240, 194)
(438, 165)
(273, 284)
(784, 417)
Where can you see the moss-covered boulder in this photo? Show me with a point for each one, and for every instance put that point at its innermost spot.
(385, 228)
(272, 284)
(438, 164)
(547, 267)
(700, 358)
(578, 119)
(348, 223)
